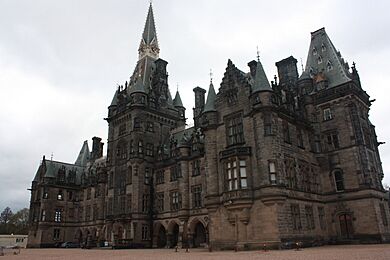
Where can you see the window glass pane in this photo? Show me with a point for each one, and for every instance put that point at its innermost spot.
(235, 184)
(229, 174)
(273, 177)
(243, 172)
(242, 163)
(234, 173)
(234, 164)
(272, 167)
(243, 183)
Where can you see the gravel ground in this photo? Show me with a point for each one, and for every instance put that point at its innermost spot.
(354, 252)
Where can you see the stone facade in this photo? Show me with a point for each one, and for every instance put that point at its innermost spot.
(294, 160)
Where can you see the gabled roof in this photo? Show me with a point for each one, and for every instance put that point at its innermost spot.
(83, 157)
(177, 100)
(324, 58)
(210, 102)
(260, 82)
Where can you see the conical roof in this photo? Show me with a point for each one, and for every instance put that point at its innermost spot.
(149, 42)
(260, 82)
(177, 100)
(210, 102)
(323, 57)
(83, 157)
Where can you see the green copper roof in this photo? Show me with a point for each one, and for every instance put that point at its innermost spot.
(83, 157)
(210, 103)
(177, 100)
(260, 82)
(324, 58)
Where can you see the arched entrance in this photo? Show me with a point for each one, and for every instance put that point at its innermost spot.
(199, 235)
(173, 234)
(346, 229)
(161, 237)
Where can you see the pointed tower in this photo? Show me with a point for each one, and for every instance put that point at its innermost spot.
(83, 157)
(149, 43)
(178, 104)
(324, 61)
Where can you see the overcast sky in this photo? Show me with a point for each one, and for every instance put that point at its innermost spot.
(61, 61)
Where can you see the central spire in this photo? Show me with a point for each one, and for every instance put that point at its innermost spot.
(149, 43)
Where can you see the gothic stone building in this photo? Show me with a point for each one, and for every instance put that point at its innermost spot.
(292, 160)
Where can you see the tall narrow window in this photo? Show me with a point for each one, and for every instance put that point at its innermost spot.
(300, 137)
(160, 202)
(196, 168)
(286, 132)
(309, 217)
(333, 141)
(43, 215)
(197, 196)
(145, 232)
(175, 200)
(296, 216)
(272, 172)
(321, 217)
(145, 203)
(243, 175)
(57, 215)
(128, 203)
(60, 195)
(339, 180)
(56, 234)
(267, 124)
(140, 147)
(327, 114)
(236, 174)
(232, 175)
(235, 130)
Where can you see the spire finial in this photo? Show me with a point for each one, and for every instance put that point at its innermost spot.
(177, 86)
(302, 65)
(211, 76)
(51, 157)
(258, 53)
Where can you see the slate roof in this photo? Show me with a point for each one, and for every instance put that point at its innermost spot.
(260, 82)
(324, 58)
(210, 102)
(177, 100)
(52, 168)
(83, 157)
(149, 35)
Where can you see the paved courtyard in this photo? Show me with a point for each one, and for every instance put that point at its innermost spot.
(354, 252)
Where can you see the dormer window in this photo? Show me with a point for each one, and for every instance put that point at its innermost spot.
(319, 59)
(323, 47)
(311, 71)
(329, 66)
(314, 51)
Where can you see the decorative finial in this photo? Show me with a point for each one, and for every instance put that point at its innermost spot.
(302, 65)
(211, 76)
(258, 53)
(151, 2)
(177, 86)
(51, 157)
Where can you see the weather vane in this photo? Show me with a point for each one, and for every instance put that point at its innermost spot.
(258, 53)
(211, 76)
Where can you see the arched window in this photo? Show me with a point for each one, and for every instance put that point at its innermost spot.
(339, 180)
